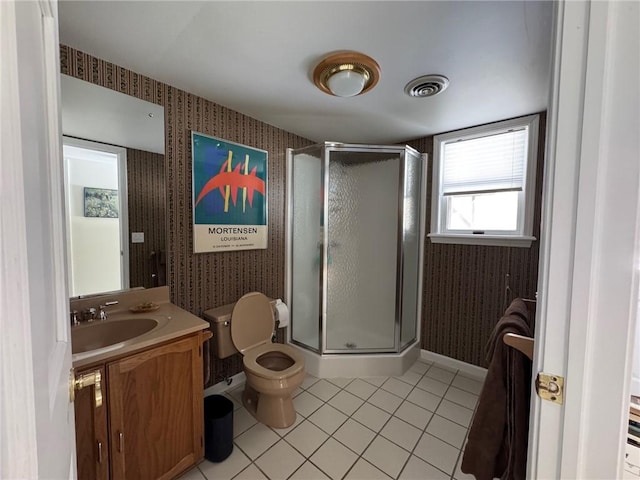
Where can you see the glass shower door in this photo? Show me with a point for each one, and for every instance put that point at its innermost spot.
(362, 250)
(306, 243)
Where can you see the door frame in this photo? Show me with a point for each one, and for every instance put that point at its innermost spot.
(588, 279)
(123, 204)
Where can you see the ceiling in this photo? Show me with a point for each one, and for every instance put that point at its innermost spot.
(257, 57)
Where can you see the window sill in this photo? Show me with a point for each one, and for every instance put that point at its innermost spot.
(495, 240)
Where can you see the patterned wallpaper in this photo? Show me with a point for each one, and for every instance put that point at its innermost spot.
(464, 286)
(463, 293)
(146, 197)
(203, 281)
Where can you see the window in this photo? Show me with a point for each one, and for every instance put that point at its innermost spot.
(484, 184)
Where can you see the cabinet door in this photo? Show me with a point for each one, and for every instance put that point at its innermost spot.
(156, 411)
(92, 450)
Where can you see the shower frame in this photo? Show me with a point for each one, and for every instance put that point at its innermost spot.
(325, 153)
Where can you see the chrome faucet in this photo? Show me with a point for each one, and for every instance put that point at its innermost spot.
(89, 315)
(102, 314)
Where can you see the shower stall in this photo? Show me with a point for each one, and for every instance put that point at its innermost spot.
(355, 224)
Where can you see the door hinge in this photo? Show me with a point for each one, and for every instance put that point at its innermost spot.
(550, 387)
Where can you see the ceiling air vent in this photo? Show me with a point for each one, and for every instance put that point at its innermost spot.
(426, 86)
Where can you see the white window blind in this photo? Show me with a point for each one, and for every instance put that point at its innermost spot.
(495, 163)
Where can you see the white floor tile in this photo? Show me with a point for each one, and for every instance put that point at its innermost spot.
(433, 386)
(255, 441)
(461, 397)
(467, 384)
(413, 414)
(308, 381)
(235, 463)
(237, 402)
(280, 461)
(420, 367)
(387, 456)
(305, 404)
(284, 431)
(479, 376)
(340, 382)
(410, 377)
(377, 381)
(401, 433)
(360, 388)
(446, 430)
(354, 435)
(346, 402)
(306, 438)
(323, 389)
(424, 399)
(333, 459)
(371, 417)
(327, 418)
(363, 470)
(236, 393)
(459, 475)
(454, 412)
(436, 452)
(417, 469)
(441, 374)
(242, 421)
(397, 387)
(308, 471)
(385, 400)
(251, 473)
(193, 474)
(444, 366)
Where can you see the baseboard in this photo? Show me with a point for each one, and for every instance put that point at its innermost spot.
(465, 368)
(223, 386)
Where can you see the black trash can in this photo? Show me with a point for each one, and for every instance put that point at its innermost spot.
(218, 428)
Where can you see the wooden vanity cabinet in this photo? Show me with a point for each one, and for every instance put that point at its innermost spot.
(155, 413)
(92, 440)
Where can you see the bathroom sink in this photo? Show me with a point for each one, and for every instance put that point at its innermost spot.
(101, 334)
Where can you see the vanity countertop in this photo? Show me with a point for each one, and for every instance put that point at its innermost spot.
(173, 322)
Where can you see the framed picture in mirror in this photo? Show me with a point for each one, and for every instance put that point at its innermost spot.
(100, 202)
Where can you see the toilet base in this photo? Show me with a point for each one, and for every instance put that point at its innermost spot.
(276, 412)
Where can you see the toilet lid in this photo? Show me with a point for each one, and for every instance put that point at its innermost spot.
(252, 321)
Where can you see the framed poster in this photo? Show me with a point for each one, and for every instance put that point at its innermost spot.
(229, 195)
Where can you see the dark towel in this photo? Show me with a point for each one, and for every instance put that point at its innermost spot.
(497, 442)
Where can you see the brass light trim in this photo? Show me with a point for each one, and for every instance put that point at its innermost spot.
(346, 60)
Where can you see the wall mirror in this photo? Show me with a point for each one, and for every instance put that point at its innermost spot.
(113, 152)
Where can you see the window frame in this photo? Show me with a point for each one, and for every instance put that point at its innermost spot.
(523, 235)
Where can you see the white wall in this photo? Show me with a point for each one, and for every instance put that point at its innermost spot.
(95, 242)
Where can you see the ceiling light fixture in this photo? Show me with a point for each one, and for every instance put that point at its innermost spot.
(346, 74)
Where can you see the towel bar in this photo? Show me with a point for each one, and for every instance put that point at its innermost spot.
(519, 342)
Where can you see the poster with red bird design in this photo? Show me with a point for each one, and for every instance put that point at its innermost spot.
(229, 195)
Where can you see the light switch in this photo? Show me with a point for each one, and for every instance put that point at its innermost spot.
(137, 237)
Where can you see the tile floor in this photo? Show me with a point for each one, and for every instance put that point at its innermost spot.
(408, 427)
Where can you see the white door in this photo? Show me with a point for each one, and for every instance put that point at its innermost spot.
(588, 275)
(36, 417)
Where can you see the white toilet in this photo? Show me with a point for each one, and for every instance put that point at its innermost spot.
(273, 370)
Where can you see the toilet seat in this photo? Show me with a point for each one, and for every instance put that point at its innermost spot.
(252, 322)
(250, 361)
(252, 325)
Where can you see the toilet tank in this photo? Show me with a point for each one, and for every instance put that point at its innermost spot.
(220, 320)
